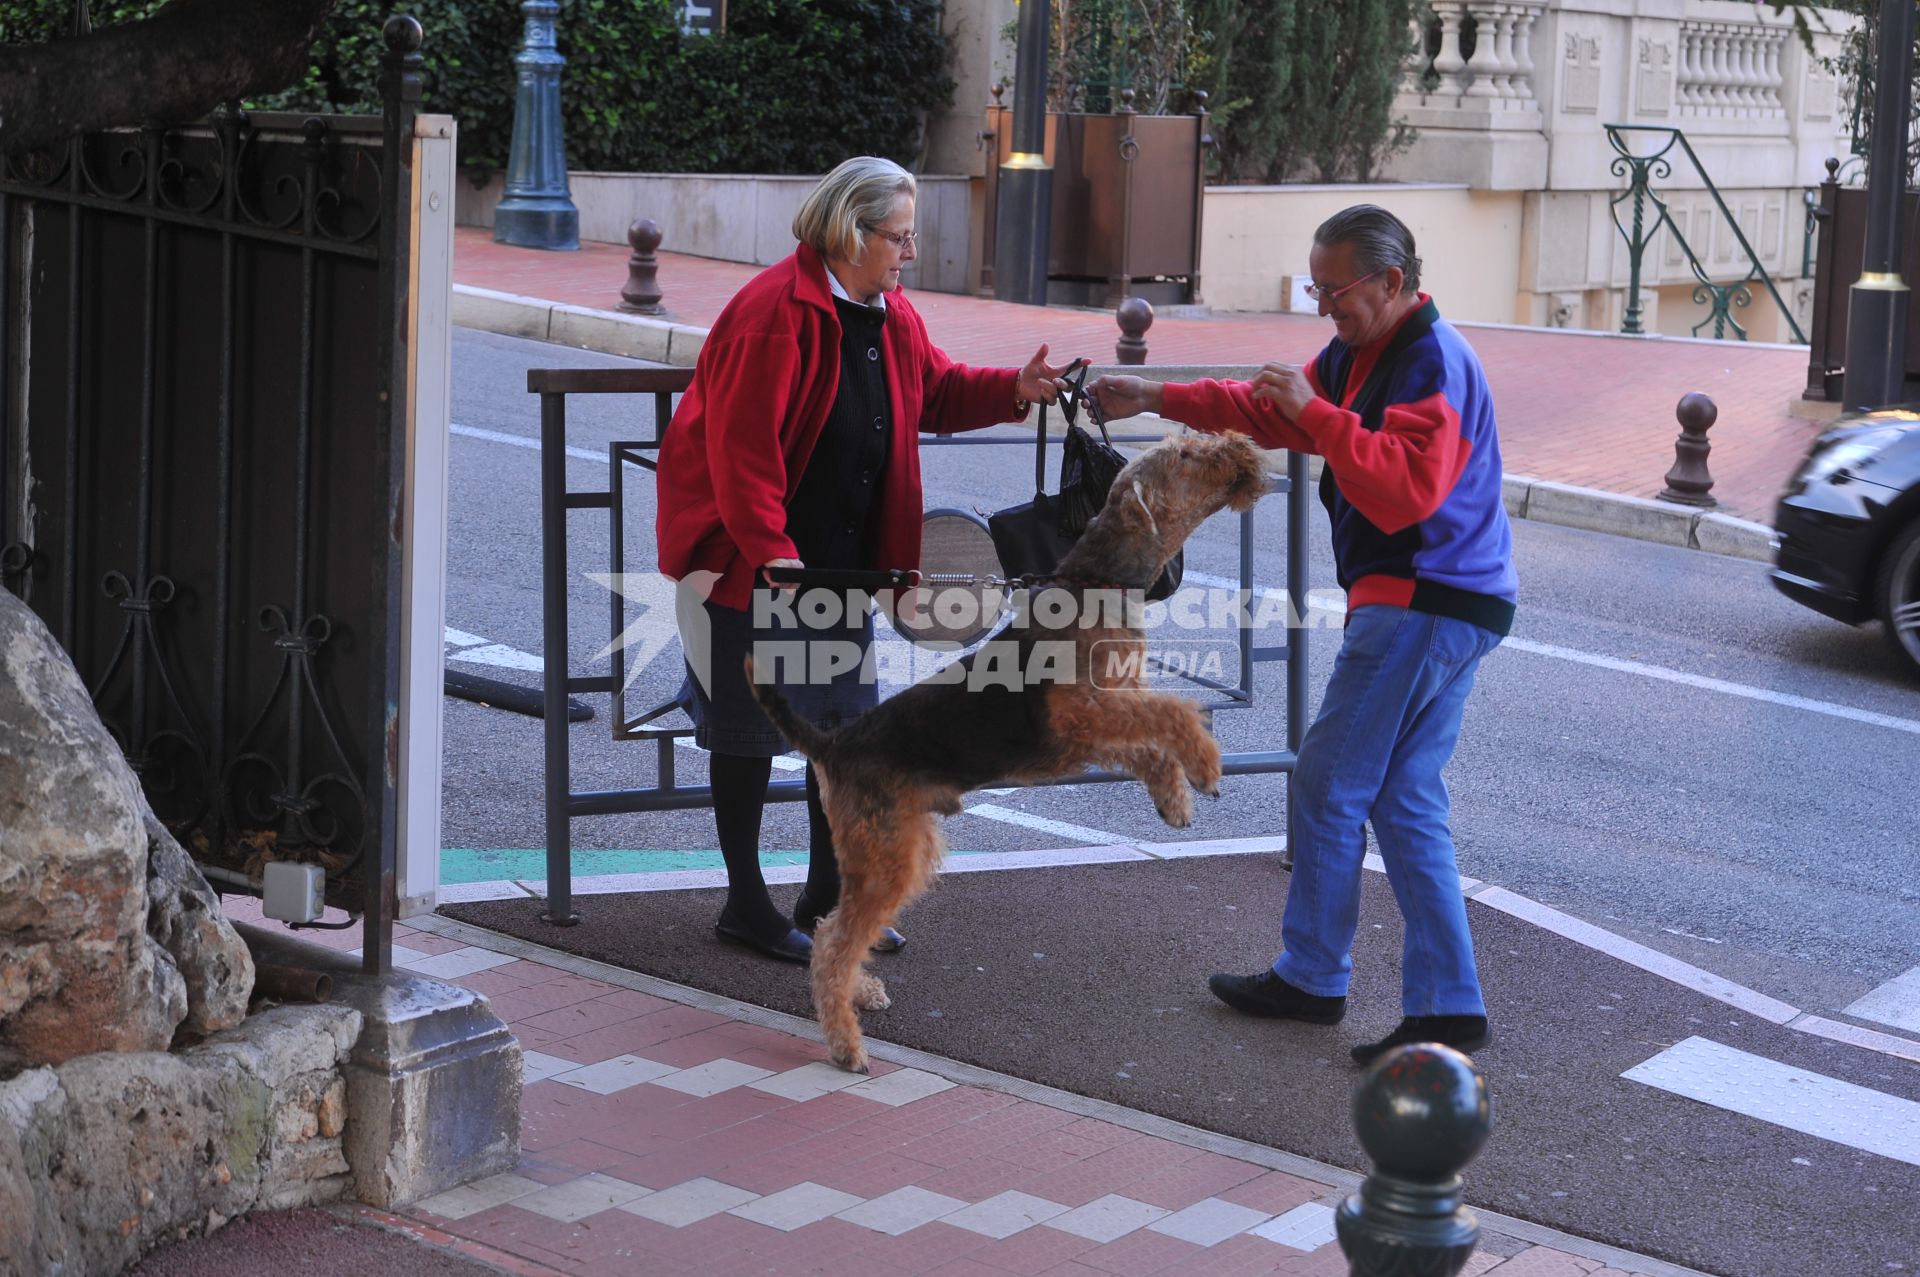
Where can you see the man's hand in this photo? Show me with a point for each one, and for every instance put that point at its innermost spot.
(1124, 396)
(1285, 387)
(1040, 381)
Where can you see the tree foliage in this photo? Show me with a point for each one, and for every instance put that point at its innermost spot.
(1297, 89)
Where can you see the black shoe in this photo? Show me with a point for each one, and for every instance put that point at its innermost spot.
(806, 918)
(1461, 1032)
(792, 947)
(1268, 995)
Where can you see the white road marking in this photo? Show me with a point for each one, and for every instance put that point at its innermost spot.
(1797, 1099)
(1058, 828)
(520, 441)
(1675, 931)
(1319, 600)
(478, 651)
(1721, 685)
(1855, 1035)
(498, 654)
(1635, 954)
(785, 762)
(1897, 1002)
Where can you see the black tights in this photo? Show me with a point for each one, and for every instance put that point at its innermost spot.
(739, 798)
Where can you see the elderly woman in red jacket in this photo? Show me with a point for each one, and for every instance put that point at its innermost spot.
(796, 445)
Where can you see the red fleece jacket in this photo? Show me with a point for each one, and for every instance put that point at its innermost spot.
(740, 440)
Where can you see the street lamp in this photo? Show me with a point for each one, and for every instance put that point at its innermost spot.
(1025, 216)
(1878, 301)
(538, 210)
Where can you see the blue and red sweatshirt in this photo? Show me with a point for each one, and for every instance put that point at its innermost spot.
(1412, 477)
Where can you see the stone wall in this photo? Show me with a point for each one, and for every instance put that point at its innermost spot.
(108, 1155)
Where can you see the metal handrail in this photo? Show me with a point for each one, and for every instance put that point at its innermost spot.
(1722, 298)
(563, 804)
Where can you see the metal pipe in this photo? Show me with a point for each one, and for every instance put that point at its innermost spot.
(553, 602)
(290, 983)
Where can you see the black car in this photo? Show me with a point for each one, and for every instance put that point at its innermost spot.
(1848, 527)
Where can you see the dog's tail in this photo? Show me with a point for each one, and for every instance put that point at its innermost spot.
(800, 734)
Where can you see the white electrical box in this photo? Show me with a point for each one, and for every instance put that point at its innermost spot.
(294, 893)
(1294, 296)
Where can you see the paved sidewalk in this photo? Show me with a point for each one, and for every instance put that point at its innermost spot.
(1593, 411)
(669, 1131)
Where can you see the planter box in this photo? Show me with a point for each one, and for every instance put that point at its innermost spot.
(1126, 205)
(1841, 251)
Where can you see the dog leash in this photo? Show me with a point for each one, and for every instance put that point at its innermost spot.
(873, 580)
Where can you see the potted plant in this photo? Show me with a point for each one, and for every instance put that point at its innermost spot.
(1128, 175)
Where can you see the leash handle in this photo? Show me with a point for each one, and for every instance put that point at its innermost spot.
(843, 578)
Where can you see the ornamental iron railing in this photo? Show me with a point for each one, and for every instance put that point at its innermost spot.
(1721, 297)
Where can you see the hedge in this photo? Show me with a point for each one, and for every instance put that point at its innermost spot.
(792, 86)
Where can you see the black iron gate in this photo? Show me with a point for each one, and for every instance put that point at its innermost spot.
(204, 373)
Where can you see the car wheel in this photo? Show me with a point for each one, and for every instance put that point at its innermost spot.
(1898, 593)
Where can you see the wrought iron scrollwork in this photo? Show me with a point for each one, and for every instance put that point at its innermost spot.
(140, 652)
(292, 802)
(127, 156)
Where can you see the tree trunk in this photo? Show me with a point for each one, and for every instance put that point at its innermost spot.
(174, 67)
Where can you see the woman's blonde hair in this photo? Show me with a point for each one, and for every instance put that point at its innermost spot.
(856, 195)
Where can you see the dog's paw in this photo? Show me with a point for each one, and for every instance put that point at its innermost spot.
(870, 994)
(1177, 812)
(852, 1058)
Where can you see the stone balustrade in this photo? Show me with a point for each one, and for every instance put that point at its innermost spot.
(1731, 72)
(1476, 54)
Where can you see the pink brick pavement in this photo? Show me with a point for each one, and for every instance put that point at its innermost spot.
(578, 1201)
(1590, 410)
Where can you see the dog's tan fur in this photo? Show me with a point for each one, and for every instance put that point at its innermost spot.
(885, 776)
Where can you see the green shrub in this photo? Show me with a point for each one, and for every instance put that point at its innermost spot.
(792, 86)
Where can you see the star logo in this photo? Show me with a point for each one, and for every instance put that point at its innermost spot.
(667, 610)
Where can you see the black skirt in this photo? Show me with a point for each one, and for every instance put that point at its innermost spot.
(818, 649)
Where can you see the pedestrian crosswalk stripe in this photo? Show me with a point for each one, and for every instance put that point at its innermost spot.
(1897, 1002)
(1797, 1099)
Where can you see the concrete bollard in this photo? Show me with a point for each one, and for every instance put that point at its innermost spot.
(1688, 482)
(1421, 1112)
(641, 296)
(1135, 316)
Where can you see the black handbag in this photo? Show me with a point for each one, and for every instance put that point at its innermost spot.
(1032, 538)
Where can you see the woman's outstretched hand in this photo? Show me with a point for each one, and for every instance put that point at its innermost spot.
(1040, 381)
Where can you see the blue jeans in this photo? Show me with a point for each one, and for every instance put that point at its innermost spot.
(1386, 728)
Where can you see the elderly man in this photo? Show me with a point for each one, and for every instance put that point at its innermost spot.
(1398, 406)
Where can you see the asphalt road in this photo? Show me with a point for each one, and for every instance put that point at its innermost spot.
(1665, 747)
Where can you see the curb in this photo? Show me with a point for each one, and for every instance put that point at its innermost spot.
(1536, 500)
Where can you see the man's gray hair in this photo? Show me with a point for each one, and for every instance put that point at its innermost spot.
(1379, 240)
(859, 194)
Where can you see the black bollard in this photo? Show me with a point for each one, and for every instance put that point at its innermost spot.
(1135, 316)
(1421, 1113)
(642, 293)
(1688, 482)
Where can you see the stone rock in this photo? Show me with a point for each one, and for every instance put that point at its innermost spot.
(184, 918)
(78, 972)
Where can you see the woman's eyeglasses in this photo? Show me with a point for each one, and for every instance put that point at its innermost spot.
(1322, 293)
(902, 240)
